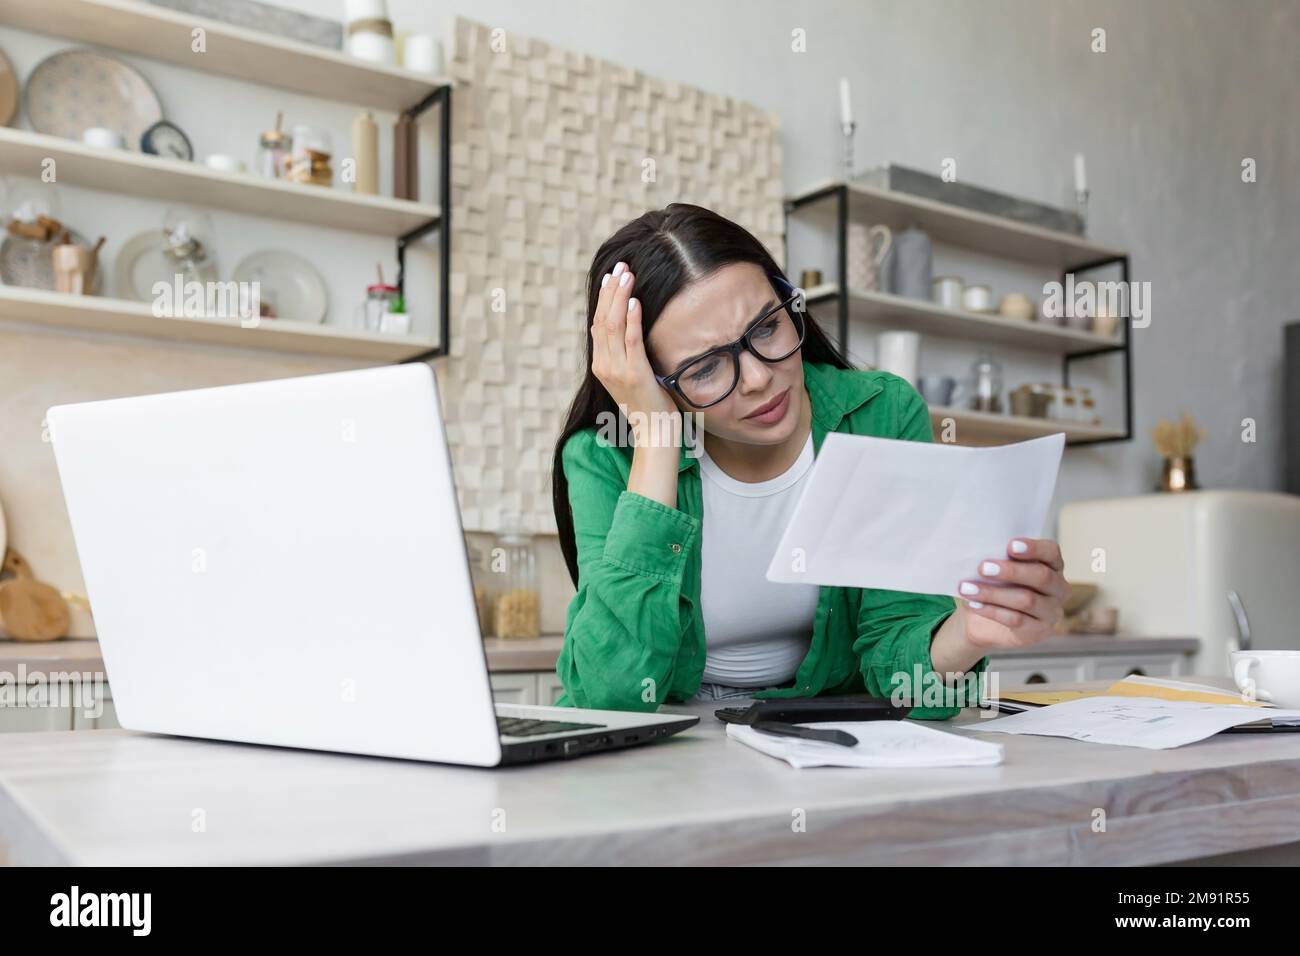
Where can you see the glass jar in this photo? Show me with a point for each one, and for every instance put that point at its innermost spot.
(273, 149)
(1069, 406)
(518, 610)
(1087, 408)
(309, 162)
(380, 298)
(986, 385)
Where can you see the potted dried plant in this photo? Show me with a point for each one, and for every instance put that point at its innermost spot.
(1176, 442)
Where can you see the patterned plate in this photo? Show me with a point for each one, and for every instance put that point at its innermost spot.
(73, 90)
(8, 90)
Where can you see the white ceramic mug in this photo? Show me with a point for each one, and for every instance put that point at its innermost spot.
(898, 352)
(1269, 676)
(422, 53)
(102, 138)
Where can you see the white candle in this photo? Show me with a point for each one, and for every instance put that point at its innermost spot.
(1080, 177)
(846, 109)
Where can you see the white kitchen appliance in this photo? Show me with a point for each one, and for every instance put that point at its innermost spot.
(1220, 566)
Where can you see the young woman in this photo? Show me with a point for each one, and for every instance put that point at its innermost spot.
(668, 546)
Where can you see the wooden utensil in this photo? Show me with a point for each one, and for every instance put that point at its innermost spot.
(29, 609)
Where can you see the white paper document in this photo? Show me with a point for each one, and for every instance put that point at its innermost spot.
(913, 516)
(882, 744)
(1130, 721)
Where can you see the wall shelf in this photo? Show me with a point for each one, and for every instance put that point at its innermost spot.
(957, 226)
(931, 319)
(36, 307)
(833, 204)
(172, 180)
(986, 428)
(248, 55)
(254, 57)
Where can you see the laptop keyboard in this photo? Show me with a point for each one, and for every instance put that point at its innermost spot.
(530, 727)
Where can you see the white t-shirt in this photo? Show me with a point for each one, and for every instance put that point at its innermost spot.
(757, 632)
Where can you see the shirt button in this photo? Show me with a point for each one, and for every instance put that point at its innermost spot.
(676, 548)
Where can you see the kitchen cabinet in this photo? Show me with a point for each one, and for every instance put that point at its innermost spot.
(523, 671)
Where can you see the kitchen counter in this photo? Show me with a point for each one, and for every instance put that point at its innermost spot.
(79, 654)
(540, 654)
(118, 797)
(1094, 644)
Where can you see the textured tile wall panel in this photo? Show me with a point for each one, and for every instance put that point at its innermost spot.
(547, 159)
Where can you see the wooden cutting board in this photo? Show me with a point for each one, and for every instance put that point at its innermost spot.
(29, 609)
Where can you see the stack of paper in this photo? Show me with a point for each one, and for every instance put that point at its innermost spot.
(882, 744)
(1132, 721)
(943, 509)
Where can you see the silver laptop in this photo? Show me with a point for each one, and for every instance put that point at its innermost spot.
(283, 563)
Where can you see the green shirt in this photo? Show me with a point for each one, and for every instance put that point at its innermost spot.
(634, 634)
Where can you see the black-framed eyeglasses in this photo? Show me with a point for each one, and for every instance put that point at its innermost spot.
(774, 336)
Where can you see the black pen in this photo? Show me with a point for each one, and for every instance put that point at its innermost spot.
(780, 729)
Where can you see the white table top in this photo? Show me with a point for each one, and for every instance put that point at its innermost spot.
(118, 797)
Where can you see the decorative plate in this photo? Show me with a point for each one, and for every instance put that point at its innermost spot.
(290, 285)
(141, 264)
(8, 90)
(72, 90)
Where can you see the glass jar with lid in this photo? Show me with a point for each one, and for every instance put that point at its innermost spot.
(273, 150)
(380, 299)
(517, 608)
(986, 385)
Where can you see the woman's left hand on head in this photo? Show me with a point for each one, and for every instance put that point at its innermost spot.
(1017, 600)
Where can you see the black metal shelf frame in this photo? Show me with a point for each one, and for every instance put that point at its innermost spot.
(840, 193)
(441, 98)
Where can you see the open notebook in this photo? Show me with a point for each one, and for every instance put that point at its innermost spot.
(882, 744)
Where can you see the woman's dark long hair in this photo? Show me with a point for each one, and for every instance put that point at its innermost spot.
(666, 249)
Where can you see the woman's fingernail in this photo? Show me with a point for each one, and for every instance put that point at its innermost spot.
(975, 604)
(624, 279)
(604, 280)
(968, 588)
(618, 269)
(631, 305)
(1019, 547)
(989, 569)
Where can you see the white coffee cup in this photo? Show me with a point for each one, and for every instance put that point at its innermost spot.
(1269, 676)
(898, 352)
(422, 53)
(224, 163)
(102, 138)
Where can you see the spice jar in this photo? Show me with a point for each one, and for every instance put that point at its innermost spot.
(1087, 410)
(986, 385)
(309, 162)
(517, 610)
(273, 149)
(380, 298)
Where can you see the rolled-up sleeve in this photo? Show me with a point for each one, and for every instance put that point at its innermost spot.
(624, 628)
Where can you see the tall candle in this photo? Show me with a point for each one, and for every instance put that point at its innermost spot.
(846, 109)
(1080, 176)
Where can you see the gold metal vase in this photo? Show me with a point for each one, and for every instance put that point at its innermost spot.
(1178, 474)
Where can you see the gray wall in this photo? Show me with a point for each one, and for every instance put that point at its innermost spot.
(1008, 88)
(1011, 90)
